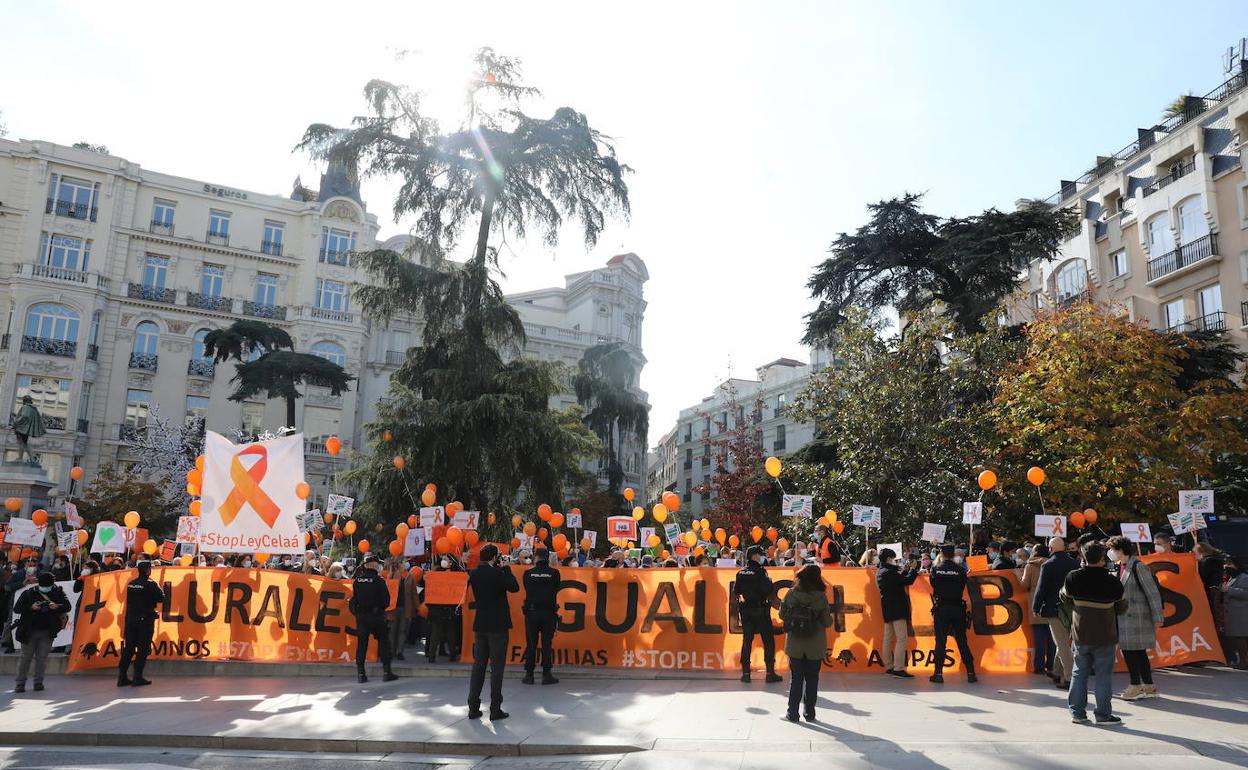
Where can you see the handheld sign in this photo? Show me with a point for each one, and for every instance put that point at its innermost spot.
(24, 532)
(188, 529)
(445, 587)
(621, 528)
(414, 543)
(1137, 532)
(110, 537)
(933, 533)
(340, 505)
(978, 563)
(973, 513)
(1196, 501)
(1050, 526)
(573, 520)
(432, 517)
(798, 506)
(1186, 522)
(867, 516)
(466, 519)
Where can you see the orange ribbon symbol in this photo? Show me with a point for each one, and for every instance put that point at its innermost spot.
(247, 488)
(1057, 526)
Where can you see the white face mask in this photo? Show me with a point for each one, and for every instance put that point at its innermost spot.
(957, 560)
(86, 571)
(246, 562)
(1114, 555)
(445, 563)
(1161, 547)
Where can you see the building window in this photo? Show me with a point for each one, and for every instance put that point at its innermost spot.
(330, 352)
(272, 242)
(266, 289)
(198, 347)
(1192, 224)
(51, 397)
(1071, 280)
(212, 281)
(780, 438)
(162, 214)
(319, 423)
(253, 419)
(50, 321)
(1160, 239)
(196, 409)
(74, 198)
(780, 399)
(146, 336)
(84, 407)
(1118, 262)
(138, 408)
(1210, 301)
(65, 252)
(1174, 314)
(219, 223)
(155, 271)
(335, 245)
(331, 295)
(95, 328)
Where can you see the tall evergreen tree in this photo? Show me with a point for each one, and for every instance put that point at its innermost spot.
(604, 386)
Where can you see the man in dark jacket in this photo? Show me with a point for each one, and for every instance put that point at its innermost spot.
(949, 580)
(1045, 601)
(490, 585)
(1005, 557)
(541, 615)
(143, 597)
(43, 610)
(369, 599)
(752, 590)
(1094, 596)
(895, 605)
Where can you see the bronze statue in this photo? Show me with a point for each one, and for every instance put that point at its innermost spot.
(27, 424)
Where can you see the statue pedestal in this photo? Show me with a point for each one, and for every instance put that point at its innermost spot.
(26, 482)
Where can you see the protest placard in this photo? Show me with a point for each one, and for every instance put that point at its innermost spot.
(340, 506)
(977, 563)
(1186, 522)
(1050, 526)
(168, 550)
(188, 529)
(671, 531)
(643, 535)
(67, 541)
(933, 533)
(445, 587)
(867, 516)
(249, 501)
(432, 517)
(110, 537)
(798, 506)
(24, 532)
(895, 547)
(573, 520)
(621, 528)
(466, 519)
(310, 521)
(414, 543)
(72, 517)
(592, 536)
(729, 563)
(1196, 501)
(972, 513)
(1137, 532)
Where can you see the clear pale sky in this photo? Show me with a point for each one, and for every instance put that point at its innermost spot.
(758, 131)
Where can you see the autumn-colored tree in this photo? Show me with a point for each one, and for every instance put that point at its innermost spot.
(739, 481)
(1099, 402)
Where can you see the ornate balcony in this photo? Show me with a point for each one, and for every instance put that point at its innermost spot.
(209, 301)
(395, 357)
(201, 367)
(334, 256)
(71, 210)
(257, 310)
(50, 273)
(83, 426)
(151, 293)
(273, 248)
(1184, 256)
(217, 239)
(160, 228)
(145, 361)
(49, 347)
(1210, 322)
(130, 433)
(325, 314)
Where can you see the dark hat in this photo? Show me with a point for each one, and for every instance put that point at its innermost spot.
(144, 567)
(372, 559)
(1009, 545)
(46, 579)
(947, 550)
(754, 550)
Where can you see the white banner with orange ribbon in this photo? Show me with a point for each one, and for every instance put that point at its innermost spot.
(249, 503)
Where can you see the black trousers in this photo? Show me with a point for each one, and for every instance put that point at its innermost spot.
(1138, 667)
(803, 684)
(136, 645)
(539, 626)
(951, 620)
(491, 649)
(372, 624)
(442, 632)
(756, 621)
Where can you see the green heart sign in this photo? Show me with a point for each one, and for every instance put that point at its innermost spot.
(105, 534)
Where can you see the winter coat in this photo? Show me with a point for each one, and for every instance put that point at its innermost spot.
(894, 598)
(1044, 599)
(1137, 627)
(1095, 599)
(1031, 573)
(1237, 606)
(411, 597)
(812, 646)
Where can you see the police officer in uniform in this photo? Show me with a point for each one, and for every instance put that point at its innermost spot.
(369, 599)
(949, 612)
(752, 591)
(541, 615)
(143, 596)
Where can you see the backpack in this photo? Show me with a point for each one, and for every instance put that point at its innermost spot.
(799, 620)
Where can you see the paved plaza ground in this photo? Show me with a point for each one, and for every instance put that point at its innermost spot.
(617, 723)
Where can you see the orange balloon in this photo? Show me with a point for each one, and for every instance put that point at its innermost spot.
(400, 530)
(653, 541)
(195, 476)
(756, 533)
(516, 520)
(396, 547)
(544, 511)
(387, 436)
(455, 535)
(443, 545)
(429, 497)
(629, 494)
(560, 542)
(1035, 475)
(543, 533)
(530, 528)
(423, 610)
(639, 513)
(699, 551)
(39, 517)
(987, 480)
(82, 537)
(132, 519)
(199, 463)
(782, 544)
(150, 547)
(362, 545)
(302, 490)
(1089, 515)
(471, 537)
(734, 541)
(772, 534)
(196, 507)
(690, 539)
(515, 542)
(416, 574)
(671, 501)
(349, 527)
(838, 527)
(399, 462)
(76, 472)
(1076, 520)
(721, 535)
(556, 519)
(192, 490)
(13, 504)
(411, 521)
(333, 445)
(706, 523)
(585, 544)
(705, 535)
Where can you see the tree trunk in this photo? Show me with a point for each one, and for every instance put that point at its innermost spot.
(479, 268)
(290, 411)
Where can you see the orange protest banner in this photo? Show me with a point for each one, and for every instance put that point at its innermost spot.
(682, 619)
(221, 614)
(978, 563)
(445, 587)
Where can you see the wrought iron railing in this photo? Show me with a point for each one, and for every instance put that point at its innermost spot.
(49, 347)
(1187, 254)
(160, 228)
(217, 239)
(143, 361)
(209, 301)
(93, 352)
(201, 367)
(271, 247)
(395, 357)
(257, 310)
(151, 293)
(334, 256)
(1243, 310)
(1210, 322)
(1176, 173)
(4, 341)
(71, 209)
(83, 426)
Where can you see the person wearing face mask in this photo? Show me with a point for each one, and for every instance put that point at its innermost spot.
(1005, 556)
(541, 616)
(23, 575)
(143, 597)
(895, 605)
(369, 599)
(949, 613)
(752, 591)
(1045, 601)
(1137, 627)
(60, 569)
(44, 610)
(1163, 543)
(442, 632)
